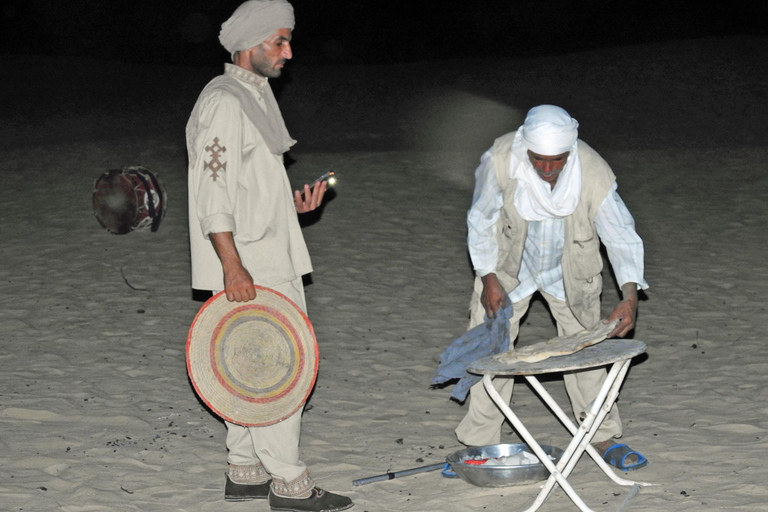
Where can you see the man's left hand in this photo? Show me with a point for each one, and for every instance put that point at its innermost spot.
(311, 198)
(626, 311)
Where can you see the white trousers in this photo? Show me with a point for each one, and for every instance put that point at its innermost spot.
(482, 424)
(275, 447)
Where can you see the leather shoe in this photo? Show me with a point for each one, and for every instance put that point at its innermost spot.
(319, 501)
(244, 492)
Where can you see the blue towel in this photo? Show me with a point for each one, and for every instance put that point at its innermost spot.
(486, 339)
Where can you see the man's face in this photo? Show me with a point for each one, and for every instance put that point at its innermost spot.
(548, 167)
(269, 58)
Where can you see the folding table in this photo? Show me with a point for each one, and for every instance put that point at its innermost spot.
(618, 354)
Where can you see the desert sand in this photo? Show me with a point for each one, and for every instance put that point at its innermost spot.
(97, 413)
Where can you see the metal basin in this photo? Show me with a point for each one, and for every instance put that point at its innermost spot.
(500, 476)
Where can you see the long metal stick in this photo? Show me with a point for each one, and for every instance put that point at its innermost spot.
(398, 474)
(632, 493)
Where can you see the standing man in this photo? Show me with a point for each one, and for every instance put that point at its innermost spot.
(244, 229)
(543, 202)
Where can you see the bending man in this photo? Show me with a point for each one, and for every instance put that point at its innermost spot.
(543, 202)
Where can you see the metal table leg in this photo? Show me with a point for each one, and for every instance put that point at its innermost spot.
(582, 435)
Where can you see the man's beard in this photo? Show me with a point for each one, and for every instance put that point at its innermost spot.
(267, 70)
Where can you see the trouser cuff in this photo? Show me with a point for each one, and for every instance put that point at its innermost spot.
(300, 487)
(250, 475)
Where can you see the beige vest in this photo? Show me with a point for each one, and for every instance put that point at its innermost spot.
(581, 262)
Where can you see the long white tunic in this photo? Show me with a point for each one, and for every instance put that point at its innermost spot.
(237, 185)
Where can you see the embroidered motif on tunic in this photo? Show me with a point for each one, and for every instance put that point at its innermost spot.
(215, 165)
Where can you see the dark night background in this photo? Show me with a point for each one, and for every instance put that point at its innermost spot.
(374, 31)
(400, 99)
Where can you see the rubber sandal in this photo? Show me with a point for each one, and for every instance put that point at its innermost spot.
(617, 454)
(448, 471)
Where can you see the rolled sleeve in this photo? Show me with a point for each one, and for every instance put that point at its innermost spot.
(215, 173)
(218, 223)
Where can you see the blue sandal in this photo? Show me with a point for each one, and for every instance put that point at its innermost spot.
(617, 454)
(448, 471)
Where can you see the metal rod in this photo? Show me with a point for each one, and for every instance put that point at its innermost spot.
(632, 493)
(398, 474)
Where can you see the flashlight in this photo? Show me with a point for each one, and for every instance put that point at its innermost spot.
(329, 177)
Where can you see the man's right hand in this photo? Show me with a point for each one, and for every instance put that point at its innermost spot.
(238, 283)
(494, 297)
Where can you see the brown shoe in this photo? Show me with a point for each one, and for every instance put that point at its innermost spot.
(319, 501)
(244, 492)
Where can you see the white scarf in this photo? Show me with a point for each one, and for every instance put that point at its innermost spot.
(547, 130)
(534, 199)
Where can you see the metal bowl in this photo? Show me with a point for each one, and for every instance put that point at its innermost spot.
(500, 476)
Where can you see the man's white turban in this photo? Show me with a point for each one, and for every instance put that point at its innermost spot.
(253, 22)
(549, 130)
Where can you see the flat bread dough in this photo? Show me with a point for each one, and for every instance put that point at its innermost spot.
(559, 346)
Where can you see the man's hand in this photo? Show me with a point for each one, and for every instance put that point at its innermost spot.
(626, 311)
(494, 297)
(238, 283)
(311, 198)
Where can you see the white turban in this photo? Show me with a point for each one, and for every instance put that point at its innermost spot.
(253, 22)
(549, 130)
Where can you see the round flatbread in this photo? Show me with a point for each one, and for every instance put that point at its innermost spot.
(559, 346)
(253, 363)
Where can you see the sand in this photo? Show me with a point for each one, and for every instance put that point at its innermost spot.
(96, 411)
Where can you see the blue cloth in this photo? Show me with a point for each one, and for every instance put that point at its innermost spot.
(486, 339)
